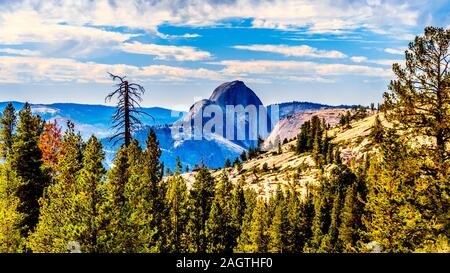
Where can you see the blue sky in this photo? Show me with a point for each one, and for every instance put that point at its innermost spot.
(335, 52)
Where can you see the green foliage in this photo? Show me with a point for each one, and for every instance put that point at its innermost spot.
(56, 220)
(10, 219)
(313, 138)
(8, 123)
(227, 164)
(221, 231)
(202, 193)
(25, 162)
(89, 198)
(377, 132)
(419, 97)
(177, 198)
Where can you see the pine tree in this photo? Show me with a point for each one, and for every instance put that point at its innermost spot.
(419, 97)
(394, 215)
(156, 188)
(116, 208)
(90, 198)
(202, 193)
(243, 156)
(178, 239)
(220, 231)
(57, 214)
(227, 164)
(239, 205)
(350, 222)
(244, 239)
(376, 134)
(279, 228)
(258, 235)
(8, 123)
(25, 160)
(10, 234)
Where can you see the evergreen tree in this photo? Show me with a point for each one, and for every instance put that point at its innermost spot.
(227, 164)
(220, 231)
(243, 156)
(8, 123)
(90, 198)
(10, 219)
(258, 235)
(57, 214)
(419, 97)
(279, 228)
(25, 159)
(244, 239)
(350, 222)
(152, 178)
(178, 238)
(395, 209)
(202, 193)
(239, 205)
(377, 131)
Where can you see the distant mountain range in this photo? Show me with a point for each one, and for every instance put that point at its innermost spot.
(212, 150)
(94, 119)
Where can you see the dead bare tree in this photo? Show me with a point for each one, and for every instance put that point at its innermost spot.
(125, 119)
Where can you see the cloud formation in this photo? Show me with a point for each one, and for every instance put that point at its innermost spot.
(296, 51)
(166, 52)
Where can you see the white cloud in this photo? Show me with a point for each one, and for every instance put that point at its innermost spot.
(395, 51)
(316, 16)
(297, 51)
(386, 62)
(358, 59)
(183, 36)
(166, 52)
(19, 69)
(21, 52)
(297, 68)
(36, 28)
(34, 69)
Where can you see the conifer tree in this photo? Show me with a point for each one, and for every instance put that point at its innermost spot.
(156, 188)
(227, 164)
(279, 228)
(178, 237)
(377, 131)
(25, 160)
(350, 222)
(202, 193)
(8, 123)
(57, 214)
(243, 156)
(10, 219)
(116, 208)
(220, 231)
(419, 97)
(90, 198)
(258, 235)
(244, 239)
(395, 218)
(239, 205)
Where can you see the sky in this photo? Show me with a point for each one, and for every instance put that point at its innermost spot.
(333, 52)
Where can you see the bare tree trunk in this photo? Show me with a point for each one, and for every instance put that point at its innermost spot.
(127, 116)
